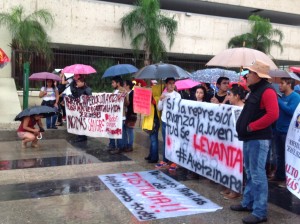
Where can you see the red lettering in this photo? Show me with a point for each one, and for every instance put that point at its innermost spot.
(229, 155)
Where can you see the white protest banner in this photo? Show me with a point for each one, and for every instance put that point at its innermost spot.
(292, 154)
(153, 195)
(202, 137)
(96, 116)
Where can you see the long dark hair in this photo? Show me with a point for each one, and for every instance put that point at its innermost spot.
(53, 86)
(204, 91)
(238, 90)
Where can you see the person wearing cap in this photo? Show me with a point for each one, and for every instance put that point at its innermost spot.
(288, 103)
(254, 129)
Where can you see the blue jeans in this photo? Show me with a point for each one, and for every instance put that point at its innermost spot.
(50, 121)
(280, 155)
(120, 142)
(153, 153)
(256, 191)
(128, 136)
(163, 131)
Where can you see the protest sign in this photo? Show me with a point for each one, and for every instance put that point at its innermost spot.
(142, 100)
(96, 116)
(292, 154)
(202, 137)
(153, 195)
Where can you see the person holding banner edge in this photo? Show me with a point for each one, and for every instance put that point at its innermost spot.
(288, 103)
(80, 88)
(254, 129)
(170, 93)
(117, 84)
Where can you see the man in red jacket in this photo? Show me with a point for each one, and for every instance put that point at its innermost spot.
(254, 129)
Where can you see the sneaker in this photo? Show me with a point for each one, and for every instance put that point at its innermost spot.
(173, 167)
(109, 148)
(129, 149)
(161, 164)
(232, 195)
(115, 151)
(240, 208)
(252, 219)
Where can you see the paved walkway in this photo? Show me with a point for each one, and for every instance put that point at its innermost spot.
(58, 183)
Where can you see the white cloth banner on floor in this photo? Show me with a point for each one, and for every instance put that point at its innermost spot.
(96, 116)
(292, 155)
(202, 138)
(153, 195)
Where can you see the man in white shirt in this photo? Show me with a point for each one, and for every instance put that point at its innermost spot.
(170, 93)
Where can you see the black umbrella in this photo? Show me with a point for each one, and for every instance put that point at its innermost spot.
(161, 71)
(44, 111)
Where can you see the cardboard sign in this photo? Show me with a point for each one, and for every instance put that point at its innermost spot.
(96, 116)
(292, 155)
(202, 138)
(142, 100)
(153, 195)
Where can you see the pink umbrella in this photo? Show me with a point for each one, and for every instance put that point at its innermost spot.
(186, 84)
(295, 69)
(79, 69)
(44, 76)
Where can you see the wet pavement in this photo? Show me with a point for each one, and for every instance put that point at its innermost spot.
(58, 183)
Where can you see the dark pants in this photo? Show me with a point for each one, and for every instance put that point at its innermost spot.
(280, 155)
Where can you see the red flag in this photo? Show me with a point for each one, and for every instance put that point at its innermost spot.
(3, 58)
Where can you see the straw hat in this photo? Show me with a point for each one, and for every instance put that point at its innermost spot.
(260, 68)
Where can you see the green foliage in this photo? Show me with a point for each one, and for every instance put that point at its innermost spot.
(95, 81)
(143, 25)
(28, 32)
(261, 36)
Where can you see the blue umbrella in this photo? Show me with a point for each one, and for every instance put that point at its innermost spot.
(120, 69)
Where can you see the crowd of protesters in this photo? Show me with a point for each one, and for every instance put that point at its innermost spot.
(262, 110)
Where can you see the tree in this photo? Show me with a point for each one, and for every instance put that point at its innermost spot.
(28, 36)
(260, 37)
(143, 25)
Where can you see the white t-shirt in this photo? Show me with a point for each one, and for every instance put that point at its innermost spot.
(50, 93)
(161, 103)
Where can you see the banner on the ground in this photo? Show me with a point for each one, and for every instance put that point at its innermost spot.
(142, 100)
(292, 155)
(153, 195)
(96, 116)
(202, 138)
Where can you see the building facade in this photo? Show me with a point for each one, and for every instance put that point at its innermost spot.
(204, 27)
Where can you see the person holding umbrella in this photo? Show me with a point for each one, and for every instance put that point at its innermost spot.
(27, 131)
(50, 96)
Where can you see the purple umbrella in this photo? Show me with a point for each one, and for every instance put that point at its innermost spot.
(44, 76)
